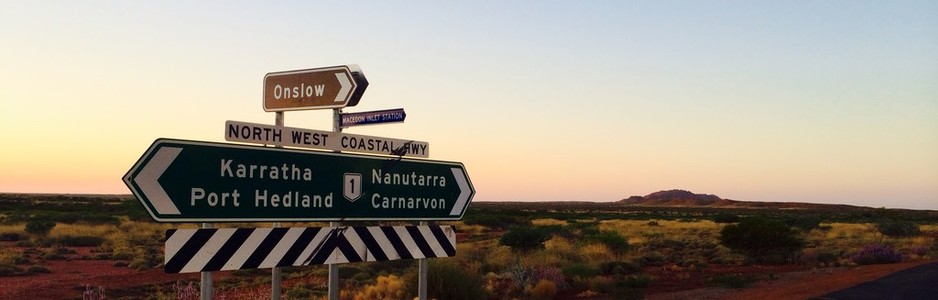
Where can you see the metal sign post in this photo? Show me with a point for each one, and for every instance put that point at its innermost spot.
(422, 272)
(275, 274)
(205, 286)
(334, 268)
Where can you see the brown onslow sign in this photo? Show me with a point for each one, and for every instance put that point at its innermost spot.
(330, 87)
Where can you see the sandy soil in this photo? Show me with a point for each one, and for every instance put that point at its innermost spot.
(70, 278)
(794, 284)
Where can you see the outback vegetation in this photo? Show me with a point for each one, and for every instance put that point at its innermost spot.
(662, 242)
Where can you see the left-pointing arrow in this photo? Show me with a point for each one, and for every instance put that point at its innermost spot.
(148, 182)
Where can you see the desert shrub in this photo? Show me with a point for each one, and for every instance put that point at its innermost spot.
(562, 248)
(596, 252)
(613, 240)
(139, 264)
(725, 218)
(446, 280)
(553, 275)
(544, 289)
(12, 257)
(876, 254)
(9, 270)
(804, 223)
(25, 243)
(385, 287)
(10, 236)
(496, 220)
(303, 291)
(620, 287)
(919, 250)
(38, 270)
(299, 292)
(579, 271)
(735, 281)
(122, 255)
(661, 249)
(637, 281)
(897, 228)
(525, 238)
(52, 255)
(499, 257)
(602, 284)
(619, 268)
(39, 227)
(80, 241)
(652, 258)
(819, 257)
(762, 239)
(692, 262)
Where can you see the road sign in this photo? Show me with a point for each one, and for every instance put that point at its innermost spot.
(326, 140)
(372, 117)
(191, 181)
(207, 250)
(331, 87)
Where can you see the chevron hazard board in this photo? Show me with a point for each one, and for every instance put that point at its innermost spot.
(219, 249)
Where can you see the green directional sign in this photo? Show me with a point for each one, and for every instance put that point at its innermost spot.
(191, 181)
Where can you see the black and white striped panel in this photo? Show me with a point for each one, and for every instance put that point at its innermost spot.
(217, 249)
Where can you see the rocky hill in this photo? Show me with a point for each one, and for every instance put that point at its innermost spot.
(682, 198)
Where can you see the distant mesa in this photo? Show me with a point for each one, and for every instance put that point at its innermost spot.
(683, 198)
(677, 198)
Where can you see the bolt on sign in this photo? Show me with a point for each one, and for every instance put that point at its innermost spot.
(320, 88)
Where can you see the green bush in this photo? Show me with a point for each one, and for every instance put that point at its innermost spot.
(9, 270)
(25, 243)
(39, 227)
(579, 270)
(139, 264)
(38, 270)
(762, 239)
(10, 237)
(898, 228)
(495, 220)
(611, 239)
(805, 223)
(81, 241)
(725, 218)
(525, 238)
(619, 268)
(446, 280)
(302, 292)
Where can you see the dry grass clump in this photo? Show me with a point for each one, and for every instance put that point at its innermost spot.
(548, 222)
(385, 287)
(62, 230)
(637, 231)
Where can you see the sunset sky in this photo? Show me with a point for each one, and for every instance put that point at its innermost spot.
(796, 101)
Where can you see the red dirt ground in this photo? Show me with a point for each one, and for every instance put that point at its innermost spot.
(69, 279)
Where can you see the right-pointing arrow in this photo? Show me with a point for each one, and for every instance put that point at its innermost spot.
(151, 188)
(465, 192)
(346, 86)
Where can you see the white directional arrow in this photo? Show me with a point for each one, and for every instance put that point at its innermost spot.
(346, 87)
(465, 192)
(151, 188)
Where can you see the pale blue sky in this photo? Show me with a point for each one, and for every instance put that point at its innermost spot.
(809, 101)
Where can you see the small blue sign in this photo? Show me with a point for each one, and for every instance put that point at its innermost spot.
(372, 117)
